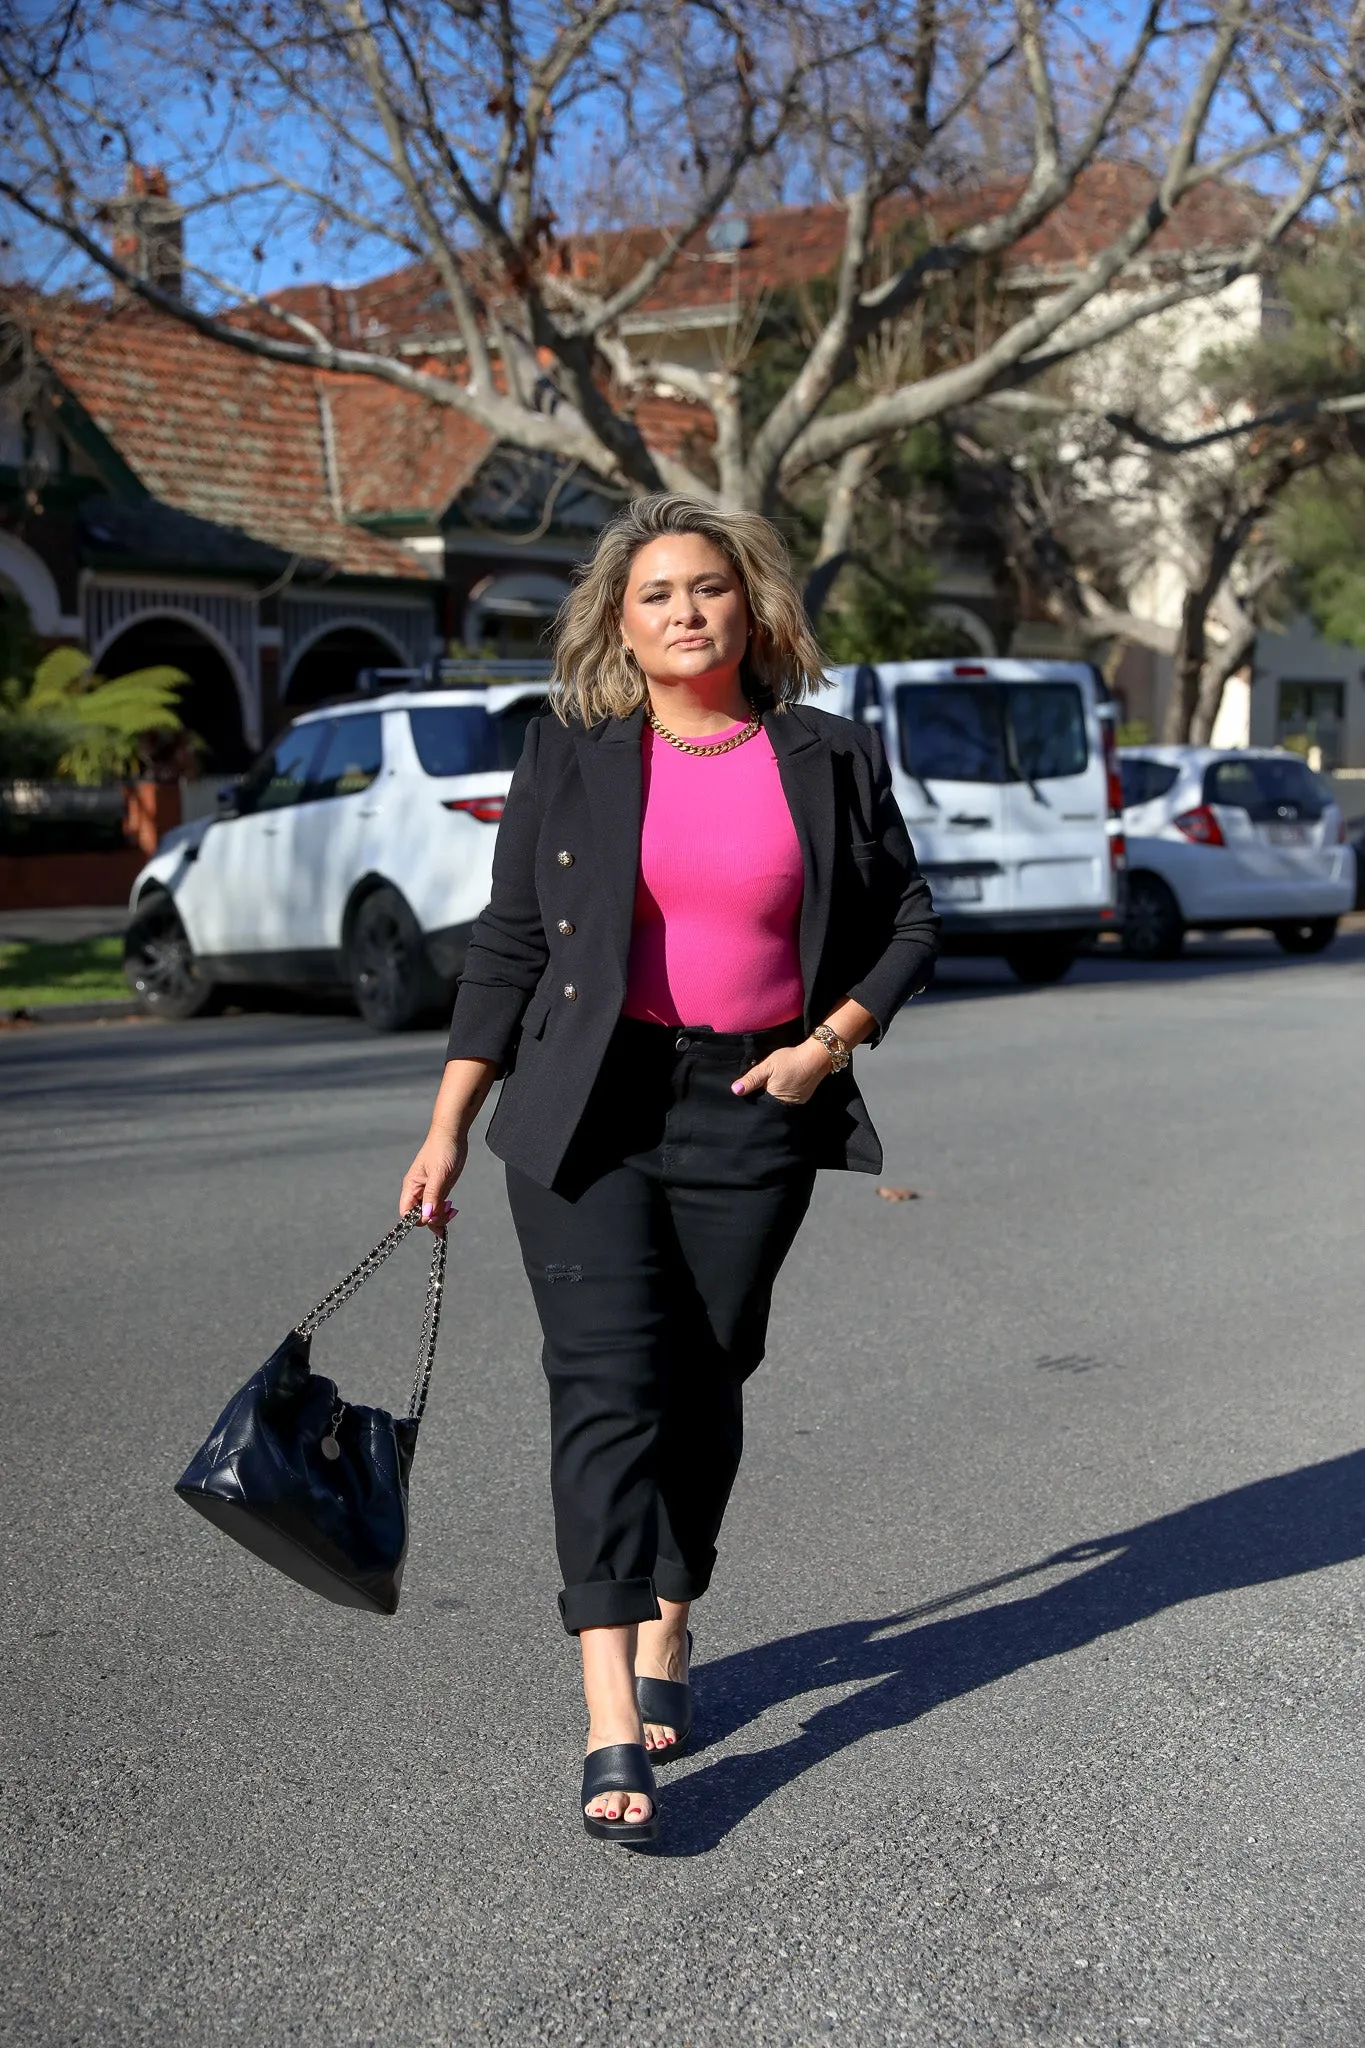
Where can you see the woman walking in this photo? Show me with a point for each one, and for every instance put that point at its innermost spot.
(703, 898)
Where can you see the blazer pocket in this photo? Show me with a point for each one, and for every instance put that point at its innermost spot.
(534, 1017)
(867, 853)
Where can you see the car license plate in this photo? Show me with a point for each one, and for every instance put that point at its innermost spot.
(955, 888)
(1287, 835)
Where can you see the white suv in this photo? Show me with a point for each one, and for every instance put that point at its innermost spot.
(357, 852)
(1219, 838)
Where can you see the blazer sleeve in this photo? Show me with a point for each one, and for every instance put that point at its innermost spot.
(906, 966)
(507, 951)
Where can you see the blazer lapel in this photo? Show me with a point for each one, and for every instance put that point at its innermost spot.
(806, 767)
(609, 762)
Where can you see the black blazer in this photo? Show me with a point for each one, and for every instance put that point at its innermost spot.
(545, 974)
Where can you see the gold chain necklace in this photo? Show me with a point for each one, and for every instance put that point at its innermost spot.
(736, 739)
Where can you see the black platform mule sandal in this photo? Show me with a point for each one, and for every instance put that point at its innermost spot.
(668, 1703)
(620, 1767)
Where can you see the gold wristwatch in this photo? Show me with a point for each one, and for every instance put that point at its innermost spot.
(839, 1053)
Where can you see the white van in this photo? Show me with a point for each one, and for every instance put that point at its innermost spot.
(1007, 774)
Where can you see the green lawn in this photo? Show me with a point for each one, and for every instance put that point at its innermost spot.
(86, 971)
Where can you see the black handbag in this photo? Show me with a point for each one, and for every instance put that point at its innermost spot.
(315, 1485)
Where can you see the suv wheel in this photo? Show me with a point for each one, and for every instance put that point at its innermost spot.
(1040, 961)
(1153, 928)
(158, 963)
(1314, 935)
(390, 976)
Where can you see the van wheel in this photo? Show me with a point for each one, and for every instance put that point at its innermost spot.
(390, 977)
(1153, 928)
(1041, 961)
(1315, 935)
(159, 965)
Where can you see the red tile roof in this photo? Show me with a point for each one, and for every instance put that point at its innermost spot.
(241, 442)
(234, 439)
(397, 452)
(797, 244)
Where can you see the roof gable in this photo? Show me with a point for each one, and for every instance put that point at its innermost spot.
(224, 436)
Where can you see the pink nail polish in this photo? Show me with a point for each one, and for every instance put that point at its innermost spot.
(736, 1087)
(426, 1212)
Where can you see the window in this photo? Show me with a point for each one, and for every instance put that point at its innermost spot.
(1310, 722)
(867, 695)
(1144, 781)
(952, 732)
(1265, 789)
(1048, 722)
(463, 739)
(351, 758)
(278, 778)
(991, 732)
(510, 726)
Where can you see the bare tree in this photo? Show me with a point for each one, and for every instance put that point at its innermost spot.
(554, 163)
(1166, 535)
(1096, 531)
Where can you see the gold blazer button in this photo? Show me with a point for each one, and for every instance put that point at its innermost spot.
(565, 859)
(570, 992)
(564, 928)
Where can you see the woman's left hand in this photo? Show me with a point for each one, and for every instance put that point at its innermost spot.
(792, 1073)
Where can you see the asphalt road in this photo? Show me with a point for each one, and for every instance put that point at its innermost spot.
(1029, 1691)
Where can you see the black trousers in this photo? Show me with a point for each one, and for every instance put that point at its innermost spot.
(652, 1262)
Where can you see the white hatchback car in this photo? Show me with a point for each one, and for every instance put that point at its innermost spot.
(1219, 838)
(356, 853)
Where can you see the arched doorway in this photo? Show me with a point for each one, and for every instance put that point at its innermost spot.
(329, 666)
(209, 704)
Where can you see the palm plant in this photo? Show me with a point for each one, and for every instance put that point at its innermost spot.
(81, 726)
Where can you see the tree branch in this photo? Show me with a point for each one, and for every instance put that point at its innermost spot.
(557, 434)
(1012, 357)
(447, 267)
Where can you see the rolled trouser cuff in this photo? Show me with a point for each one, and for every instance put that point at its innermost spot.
(608, 1603)
(674, 1581)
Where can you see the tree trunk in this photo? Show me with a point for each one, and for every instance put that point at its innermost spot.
(1187, 668)
(1218, 675)
(837, 530)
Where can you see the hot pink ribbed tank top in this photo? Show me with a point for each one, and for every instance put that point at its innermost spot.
(718, 900)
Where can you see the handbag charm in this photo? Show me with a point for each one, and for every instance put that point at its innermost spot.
(314, 1485)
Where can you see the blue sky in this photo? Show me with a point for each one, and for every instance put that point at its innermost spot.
(256, 245)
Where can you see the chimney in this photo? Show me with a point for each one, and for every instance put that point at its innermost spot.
(148, 237)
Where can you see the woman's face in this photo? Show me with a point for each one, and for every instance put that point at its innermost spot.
(684, 614)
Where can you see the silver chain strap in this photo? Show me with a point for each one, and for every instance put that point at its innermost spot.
(431, 1313)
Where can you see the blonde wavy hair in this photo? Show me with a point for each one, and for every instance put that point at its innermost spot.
(595, 676)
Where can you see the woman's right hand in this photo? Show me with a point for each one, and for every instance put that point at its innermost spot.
(432, 1175)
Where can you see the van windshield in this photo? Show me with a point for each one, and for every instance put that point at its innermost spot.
(991, 732)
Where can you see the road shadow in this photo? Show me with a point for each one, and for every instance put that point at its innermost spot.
(906, 1664)
(1207, 957)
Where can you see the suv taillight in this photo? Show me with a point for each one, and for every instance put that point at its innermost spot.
(1201, 826)
(487, 809)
